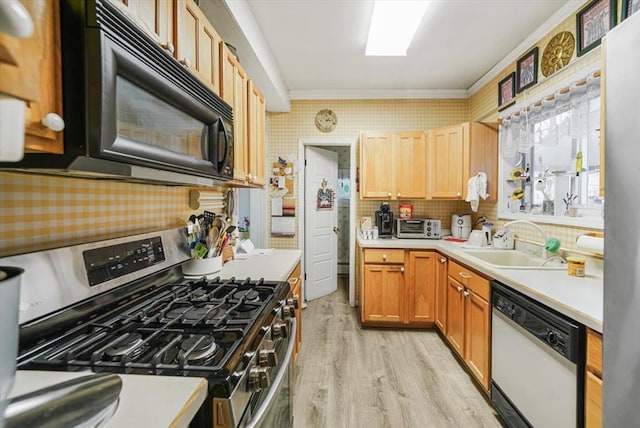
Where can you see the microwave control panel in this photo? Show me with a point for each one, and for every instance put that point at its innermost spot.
(107, 263)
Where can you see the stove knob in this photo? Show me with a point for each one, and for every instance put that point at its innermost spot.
(259, 379)
(288, 312)
(267, 357)
(279, 331)
(293, 301)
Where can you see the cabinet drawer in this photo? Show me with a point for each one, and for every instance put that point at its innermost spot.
(593, 401)
(594, 352)
(470, 279)
(375, 255)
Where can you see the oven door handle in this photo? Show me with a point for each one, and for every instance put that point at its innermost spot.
(275, 386)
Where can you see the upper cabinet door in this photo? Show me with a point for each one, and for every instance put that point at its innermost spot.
(446, 163)
(376, 166)
(197, 44)
(153, 16)
(256, 134)
(36, 75)
(411, 165)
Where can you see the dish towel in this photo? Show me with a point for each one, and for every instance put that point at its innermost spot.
(476, 189)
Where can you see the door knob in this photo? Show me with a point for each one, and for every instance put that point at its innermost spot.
(336, 230)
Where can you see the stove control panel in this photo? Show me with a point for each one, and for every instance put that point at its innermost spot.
(110, 262)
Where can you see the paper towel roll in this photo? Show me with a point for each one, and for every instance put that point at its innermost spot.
(590, 243)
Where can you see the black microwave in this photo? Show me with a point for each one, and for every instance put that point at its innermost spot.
(133, 111)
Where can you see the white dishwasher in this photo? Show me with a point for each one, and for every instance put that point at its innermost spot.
(537, 362)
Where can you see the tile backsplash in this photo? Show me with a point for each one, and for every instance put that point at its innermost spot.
(41, 212)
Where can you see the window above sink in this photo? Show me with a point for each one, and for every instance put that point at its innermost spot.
(549, 165)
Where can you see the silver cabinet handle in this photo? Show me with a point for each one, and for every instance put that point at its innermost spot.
(389, 194)
(402, 270)
(464, 275)
(384, 257)
(460, 289)
(443, 260)
(399, 194)
(466, 294)
(53, 121)
(458, 194)
(185, 62)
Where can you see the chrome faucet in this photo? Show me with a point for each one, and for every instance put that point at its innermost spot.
(545, 238)
(553, 257)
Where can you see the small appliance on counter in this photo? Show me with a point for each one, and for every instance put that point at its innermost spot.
(425, 228)
(384, 221)
(461, 226)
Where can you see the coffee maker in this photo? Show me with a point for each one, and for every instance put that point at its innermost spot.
(384, 220)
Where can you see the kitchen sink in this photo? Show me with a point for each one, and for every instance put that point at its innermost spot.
(513, 259)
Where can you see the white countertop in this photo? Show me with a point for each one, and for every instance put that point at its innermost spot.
(578, 298)
(145, 401)
(275, 266)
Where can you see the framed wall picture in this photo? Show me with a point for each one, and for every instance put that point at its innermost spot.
(527, 70)
(592, 22)
(629, 7)
(507, 91)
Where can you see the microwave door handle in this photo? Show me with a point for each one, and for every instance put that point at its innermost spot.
(206, 149)
(222, 159)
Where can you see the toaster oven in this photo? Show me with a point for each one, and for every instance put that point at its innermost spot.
(416, 228)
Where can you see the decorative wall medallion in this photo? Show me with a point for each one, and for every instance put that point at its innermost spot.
(558, 53)
(326, 120)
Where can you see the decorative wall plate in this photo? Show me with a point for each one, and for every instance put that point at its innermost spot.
(326, 120)
(558, 53)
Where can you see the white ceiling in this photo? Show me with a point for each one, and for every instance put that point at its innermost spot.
(315, 48)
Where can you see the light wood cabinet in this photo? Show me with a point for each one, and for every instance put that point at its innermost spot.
(235, 92)
(36, 75)
(469, 319)
(393, 165)
(256, 124)
(154, 17)
(441, 293)
(422, 286)
(398, 287)
(295, 283)
(593, 381)
(197, 44)
(383, 297)
(458, 152)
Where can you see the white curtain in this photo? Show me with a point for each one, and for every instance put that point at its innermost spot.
(557, 119)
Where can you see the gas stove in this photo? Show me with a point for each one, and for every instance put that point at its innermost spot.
(123, 306)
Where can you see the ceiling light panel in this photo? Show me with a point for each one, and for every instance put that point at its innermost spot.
(393, 25)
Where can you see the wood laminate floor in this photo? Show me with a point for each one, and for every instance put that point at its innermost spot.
(352, 377)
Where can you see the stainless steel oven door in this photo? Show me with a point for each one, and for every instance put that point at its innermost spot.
(276, 409)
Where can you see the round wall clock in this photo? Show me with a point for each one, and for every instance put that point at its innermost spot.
(558, 53)
(326, 120)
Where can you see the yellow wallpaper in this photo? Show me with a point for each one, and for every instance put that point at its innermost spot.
(42, 212)
(355, 116)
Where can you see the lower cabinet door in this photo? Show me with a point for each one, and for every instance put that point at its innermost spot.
(455, 315)
(383, 293)
(477, 334)
(422, 286)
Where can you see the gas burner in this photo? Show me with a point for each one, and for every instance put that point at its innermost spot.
(204, 352)
(244, 312)
(194, 313)
(130, 343)
(249, 295)
(199, 295)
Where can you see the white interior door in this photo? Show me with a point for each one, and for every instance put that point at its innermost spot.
(321, 222)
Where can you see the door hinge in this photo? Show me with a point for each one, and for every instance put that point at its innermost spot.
(305, 276)
(305, 162)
